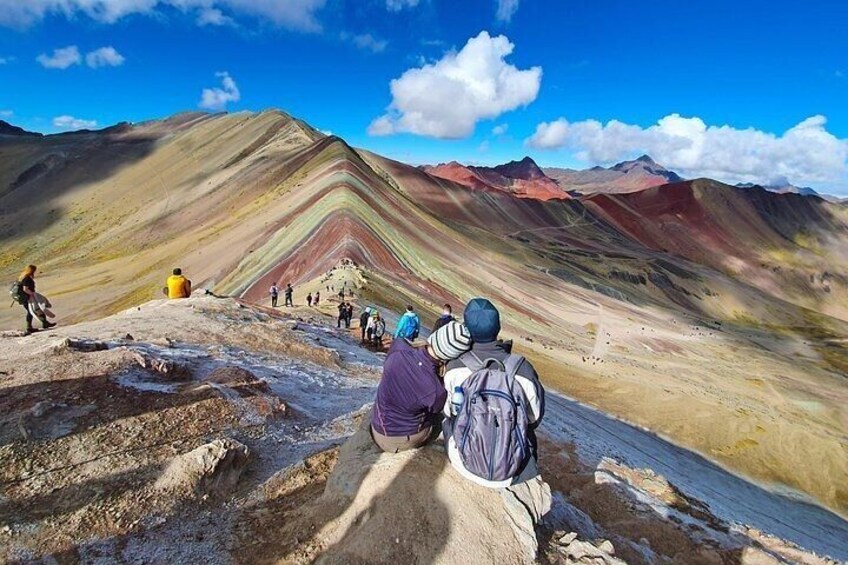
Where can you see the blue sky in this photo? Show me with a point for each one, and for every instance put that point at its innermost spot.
(740, 91)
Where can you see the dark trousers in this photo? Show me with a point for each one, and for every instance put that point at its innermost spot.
(273, 300)
(289, 300)
(29, 317)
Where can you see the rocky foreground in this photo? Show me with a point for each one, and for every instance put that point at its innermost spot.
(208, 430)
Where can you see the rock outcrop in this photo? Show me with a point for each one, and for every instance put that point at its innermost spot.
(212, 469)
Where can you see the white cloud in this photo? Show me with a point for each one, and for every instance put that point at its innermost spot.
(500, 129)
(213, 17)
(6, 113)
(506, 9)
(398, 5)
(369, 42)
(447, 98)
(291, 14)
(71, 123)
(806, 153)
(104, 57)
(61, 59)
(218, 98)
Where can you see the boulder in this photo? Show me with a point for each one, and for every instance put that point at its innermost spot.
(212, 469)
(167, 368)
(412, 507)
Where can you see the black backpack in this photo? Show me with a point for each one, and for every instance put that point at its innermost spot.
(18, 294)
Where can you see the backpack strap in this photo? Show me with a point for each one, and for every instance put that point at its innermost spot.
(471, 361)
(512, 364)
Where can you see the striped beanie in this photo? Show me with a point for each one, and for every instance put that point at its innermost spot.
(450, 341)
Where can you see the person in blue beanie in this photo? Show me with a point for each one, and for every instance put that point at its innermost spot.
(483, 321)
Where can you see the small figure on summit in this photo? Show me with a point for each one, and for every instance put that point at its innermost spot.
(177, 285)
(309, 299)
(289, 292)
(275, 292)
(317, 297)
(363, 321)
(409, 325)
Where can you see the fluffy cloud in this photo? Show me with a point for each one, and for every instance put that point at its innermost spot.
(218, 98)
(506, 9)
(70, 122)
(805, 153)
(446, 99)
(104, 57)
(292, 14)
(500, 129)
(61, 58)
(213, 17)
(398, 5)
(369, 42)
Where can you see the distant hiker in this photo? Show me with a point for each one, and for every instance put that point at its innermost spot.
(410, 395)
(447, 316)
(23, 291)
(375, 329)
(317, 297)
(363, 321)
(309, 299)
(495, 447)
(409, 325)
(177, 285)
(341, 294)
(342, 315)
(348, 314)
(289, 292)
(275, 292)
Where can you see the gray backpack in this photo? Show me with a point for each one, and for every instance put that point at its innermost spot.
(490, 429)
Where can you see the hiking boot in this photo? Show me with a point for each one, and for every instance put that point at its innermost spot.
(30, 331)
(48, 325)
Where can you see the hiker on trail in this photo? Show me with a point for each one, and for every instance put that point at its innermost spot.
(289, 291)
(317, 297)
(342, 315)
(495, 447)
(447, 316)
(275, 292)
(409, 325)
(363, 321)
(177, 285)
(410, 396)
(348, 314)
(26, 296)
(309, 299)
(341, 294)
(375, 329)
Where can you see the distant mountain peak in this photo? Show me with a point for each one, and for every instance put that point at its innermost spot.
(8, 129)
(646, 159)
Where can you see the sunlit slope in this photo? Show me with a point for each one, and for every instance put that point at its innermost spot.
(788, 246)
(115, 212)
(586, 288)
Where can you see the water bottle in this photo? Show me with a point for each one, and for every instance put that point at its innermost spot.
(457, 398)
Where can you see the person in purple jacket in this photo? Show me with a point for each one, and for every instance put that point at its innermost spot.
(411, 396)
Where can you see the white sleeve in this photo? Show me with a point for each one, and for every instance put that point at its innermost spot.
(534, 403)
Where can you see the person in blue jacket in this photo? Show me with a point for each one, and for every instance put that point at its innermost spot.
(409, 325)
